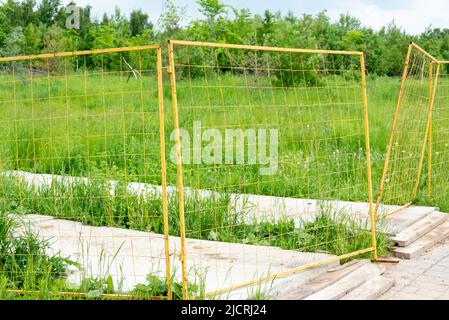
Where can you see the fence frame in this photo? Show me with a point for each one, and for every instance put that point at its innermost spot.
(158, 49)
(180, 186)
(429, 153)
(433, 82)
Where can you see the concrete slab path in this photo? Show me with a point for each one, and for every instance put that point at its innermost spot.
(129, 256)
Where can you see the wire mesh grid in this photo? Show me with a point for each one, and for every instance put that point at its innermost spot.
(438, 142)
(81, 149)
(271, 146)
(405, 158)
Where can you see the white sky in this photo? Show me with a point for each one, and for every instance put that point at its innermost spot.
(412, 15)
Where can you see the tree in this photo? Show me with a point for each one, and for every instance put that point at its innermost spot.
(13, 44)
(54, 40)
(105, 19)
(347, 22)
(393, 44)
(211, 9)
(171, 17)
(33, 37)
(138, 22)
(86, 38)
(5, 26)
(48, 11)
(21, 13)
(268, 22)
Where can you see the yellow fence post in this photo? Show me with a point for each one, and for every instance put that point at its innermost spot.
(429, 148)
(429, 162)
(164, 172)
(171, 69)
(368, 157)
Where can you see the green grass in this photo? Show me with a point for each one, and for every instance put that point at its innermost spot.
(115, 134)
(105, 127)
(24, 262)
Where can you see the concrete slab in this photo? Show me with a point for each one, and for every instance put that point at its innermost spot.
(129, 256)
(420, 228)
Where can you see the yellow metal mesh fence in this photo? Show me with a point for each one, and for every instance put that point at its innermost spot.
(438, 148)
(270, 145)
(81, 140)
(401, 181)
(271, 148)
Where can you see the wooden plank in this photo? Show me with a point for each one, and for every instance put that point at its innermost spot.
(348, 283)
(424, 243)
(370, 290)
(302, 290)
(419, 229)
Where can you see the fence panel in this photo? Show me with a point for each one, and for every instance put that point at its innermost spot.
(438, 148)
(401, 178)
(81, 141)
(272, 152)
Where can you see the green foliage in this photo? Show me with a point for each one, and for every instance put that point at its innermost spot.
(157, 287)
(287, 78)
(171, 17)
(94, 287)
(13, 43)
(25, 27)
(138, 22)
(211, 9)
(48, 11)
(23, 256)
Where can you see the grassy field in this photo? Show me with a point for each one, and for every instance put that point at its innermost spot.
(108, 127)
(101, 126)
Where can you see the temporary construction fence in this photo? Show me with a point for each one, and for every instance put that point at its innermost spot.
(438, 142)
(77, 129)
(269, 141)
(270, 149)
(416, 161)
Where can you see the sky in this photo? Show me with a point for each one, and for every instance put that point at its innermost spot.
(411, 15)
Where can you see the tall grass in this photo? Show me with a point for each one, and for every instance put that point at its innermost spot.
(25, 261)
(108, 128)
(105, 127)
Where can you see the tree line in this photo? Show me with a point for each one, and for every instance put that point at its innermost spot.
(32, 27)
